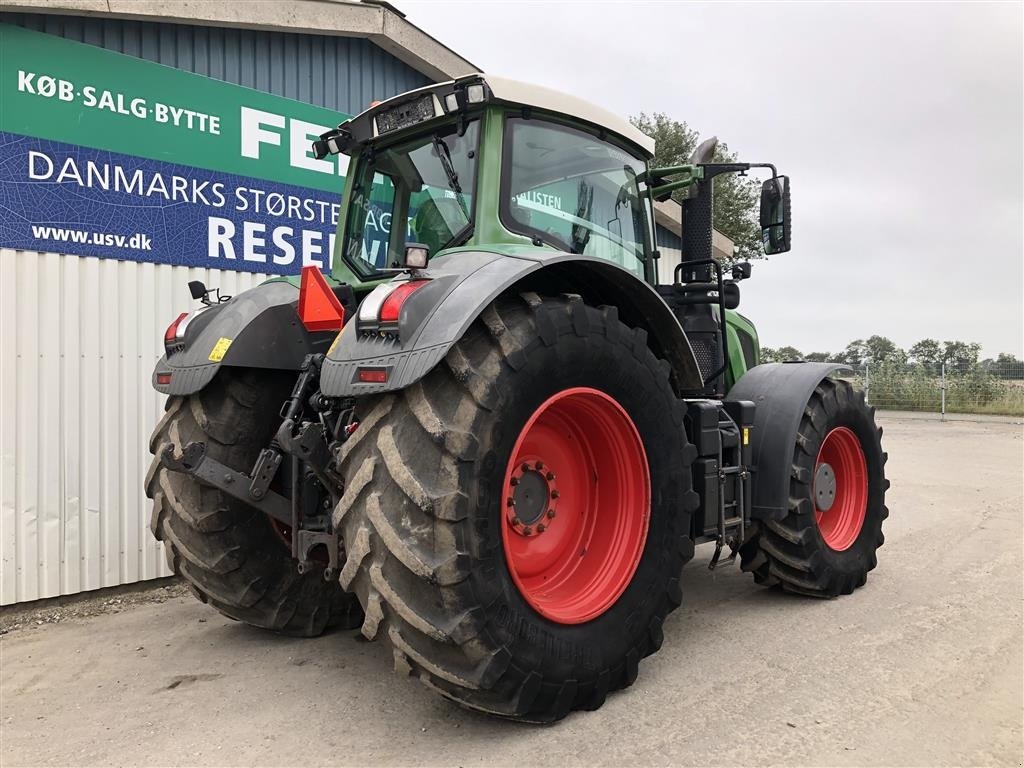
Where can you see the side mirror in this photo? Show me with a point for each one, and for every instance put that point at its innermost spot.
(197, 289)
(731, 295)
(775, 215)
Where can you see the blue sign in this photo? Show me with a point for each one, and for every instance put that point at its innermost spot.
(71, 199)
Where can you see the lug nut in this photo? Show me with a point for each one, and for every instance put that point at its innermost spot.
(539, 465)
(516, 521)
(527, 530)
(551, 514)
(550, 476)
(541, 528)
(554, 494)
(514, 481)
(525, 467)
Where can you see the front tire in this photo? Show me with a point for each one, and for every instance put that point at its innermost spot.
(426, 513)
(827, 543)
(229, 552)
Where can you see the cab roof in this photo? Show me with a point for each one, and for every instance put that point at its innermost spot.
(514, 92)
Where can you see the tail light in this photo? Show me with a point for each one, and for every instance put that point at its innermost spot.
(383, 306)
(176, 331)
(392, 306)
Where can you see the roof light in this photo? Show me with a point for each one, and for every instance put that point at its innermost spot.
(451, 103)
(475, 93)
(392, 306)
(319, 308)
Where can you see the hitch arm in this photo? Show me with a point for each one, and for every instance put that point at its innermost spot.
(194, 461)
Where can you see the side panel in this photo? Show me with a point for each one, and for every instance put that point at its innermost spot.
(780, 392)
(466, 282)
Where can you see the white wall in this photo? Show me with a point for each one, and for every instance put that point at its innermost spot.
(78, 341)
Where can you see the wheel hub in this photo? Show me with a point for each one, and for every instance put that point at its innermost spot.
(824, 487)
(531, 505)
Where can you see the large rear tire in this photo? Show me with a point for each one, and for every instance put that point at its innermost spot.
(229, 552)
(427, 513)
(827, 543)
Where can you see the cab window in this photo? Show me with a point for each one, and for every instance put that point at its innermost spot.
(573, 191)
(418, 191)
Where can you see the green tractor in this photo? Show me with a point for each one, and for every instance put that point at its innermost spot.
(489, 437)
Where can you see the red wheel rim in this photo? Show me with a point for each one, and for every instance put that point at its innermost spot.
(840, 489)
(576, 505)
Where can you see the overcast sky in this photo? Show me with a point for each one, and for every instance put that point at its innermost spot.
(900, 126)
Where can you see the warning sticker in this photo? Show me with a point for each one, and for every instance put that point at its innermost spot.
(220, 349)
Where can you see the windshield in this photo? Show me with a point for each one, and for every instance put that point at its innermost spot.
(574, 191)
(426, 184)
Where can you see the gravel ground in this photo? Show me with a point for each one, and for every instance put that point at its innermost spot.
(921, 667)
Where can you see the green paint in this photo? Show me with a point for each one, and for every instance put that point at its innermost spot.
(60, 90)
(735, 325)
(489, 229)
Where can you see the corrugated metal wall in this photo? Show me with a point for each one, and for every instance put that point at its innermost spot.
(79, 336)
(78, 341)
(340, 73)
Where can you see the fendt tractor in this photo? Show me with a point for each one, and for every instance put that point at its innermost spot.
(488, 436)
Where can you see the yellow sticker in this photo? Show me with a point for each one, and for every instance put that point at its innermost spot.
(333, 344)
(220, 349)
(746, 435)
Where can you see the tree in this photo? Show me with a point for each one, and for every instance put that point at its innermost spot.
(883, 350)
(1006, 366)
(926, 353)
(856, 353)
(736, 197)
(960, 355)
(818, 357)
(780, 355)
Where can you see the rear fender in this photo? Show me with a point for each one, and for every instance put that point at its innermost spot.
(780, 392)
(258, 328)
(465, 282)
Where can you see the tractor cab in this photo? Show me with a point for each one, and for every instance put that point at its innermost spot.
(488, 163)
(572, 184)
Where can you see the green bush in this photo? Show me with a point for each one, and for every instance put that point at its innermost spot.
(914, 388)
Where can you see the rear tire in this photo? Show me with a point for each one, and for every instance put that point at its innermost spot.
(825, 553)
(424, 513)
(229, 552)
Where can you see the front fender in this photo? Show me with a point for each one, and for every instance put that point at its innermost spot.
(780, 392)
(258, 328)
(465, 283)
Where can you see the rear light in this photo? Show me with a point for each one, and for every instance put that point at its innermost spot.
(163, 378)
(383, 305)
(175, 330)
(391, 308)
(372, 375)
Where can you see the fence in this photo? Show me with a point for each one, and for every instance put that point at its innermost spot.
(944, 388)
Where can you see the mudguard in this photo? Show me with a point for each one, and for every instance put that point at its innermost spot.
(258, 328)
(780, 392)
(464, 283)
